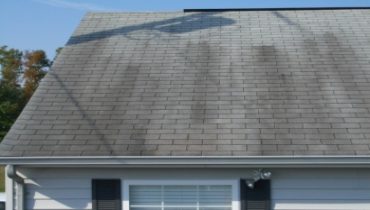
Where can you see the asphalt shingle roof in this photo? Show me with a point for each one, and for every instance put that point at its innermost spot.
(248, 83)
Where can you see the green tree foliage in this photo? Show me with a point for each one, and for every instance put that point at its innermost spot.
(11, 97)
(57, 52)
(20, 76)
(11, 64)
(11, 105)
(34, 63)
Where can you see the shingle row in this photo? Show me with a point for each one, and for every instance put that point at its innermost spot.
(204, 84)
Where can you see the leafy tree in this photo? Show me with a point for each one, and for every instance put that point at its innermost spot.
(35, 64)
(21, 74)
(57, 52)
(11, 97)
(11, 64)
(11, 105)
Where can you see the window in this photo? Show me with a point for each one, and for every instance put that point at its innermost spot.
(107, 194)
(180, 195)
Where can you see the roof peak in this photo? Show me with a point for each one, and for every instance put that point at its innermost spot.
(273, 9)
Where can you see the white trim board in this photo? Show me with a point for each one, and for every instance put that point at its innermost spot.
(193, 162)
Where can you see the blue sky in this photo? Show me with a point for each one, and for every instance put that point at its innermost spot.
(48, 24)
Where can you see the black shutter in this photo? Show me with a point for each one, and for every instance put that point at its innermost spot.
(258, 198)
(106, 194)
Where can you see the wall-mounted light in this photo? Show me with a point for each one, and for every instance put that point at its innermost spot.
(264, 174)
(257, 175)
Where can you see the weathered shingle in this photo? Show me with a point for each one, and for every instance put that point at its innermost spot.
(247, 83)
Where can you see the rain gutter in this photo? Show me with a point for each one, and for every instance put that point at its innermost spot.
(192, 162)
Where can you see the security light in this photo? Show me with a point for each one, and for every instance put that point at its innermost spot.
(265, 174)
(258, 174)
(250, 183)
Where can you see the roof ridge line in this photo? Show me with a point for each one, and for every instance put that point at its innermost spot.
(273, 9)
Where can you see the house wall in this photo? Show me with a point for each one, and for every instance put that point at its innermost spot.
(291, 188)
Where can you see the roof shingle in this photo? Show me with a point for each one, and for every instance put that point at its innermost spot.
(256, 83)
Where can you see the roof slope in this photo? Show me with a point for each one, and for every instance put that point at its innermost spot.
(206, 84)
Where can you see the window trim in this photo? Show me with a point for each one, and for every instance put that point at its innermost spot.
(235, 188)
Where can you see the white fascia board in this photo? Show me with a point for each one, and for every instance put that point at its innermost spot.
(193, 162)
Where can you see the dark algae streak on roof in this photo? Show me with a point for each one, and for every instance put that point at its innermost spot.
(216, 83)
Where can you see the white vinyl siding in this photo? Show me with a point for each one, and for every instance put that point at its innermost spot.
(58, 194)
(299, 189)
(193, 197)
(334, 189)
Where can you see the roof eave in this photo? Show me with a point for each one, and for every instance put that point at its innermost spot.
(192, 162)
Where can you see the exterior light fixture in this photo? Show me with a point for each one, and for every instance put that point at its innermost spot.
(265, 174)
(258, 174)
